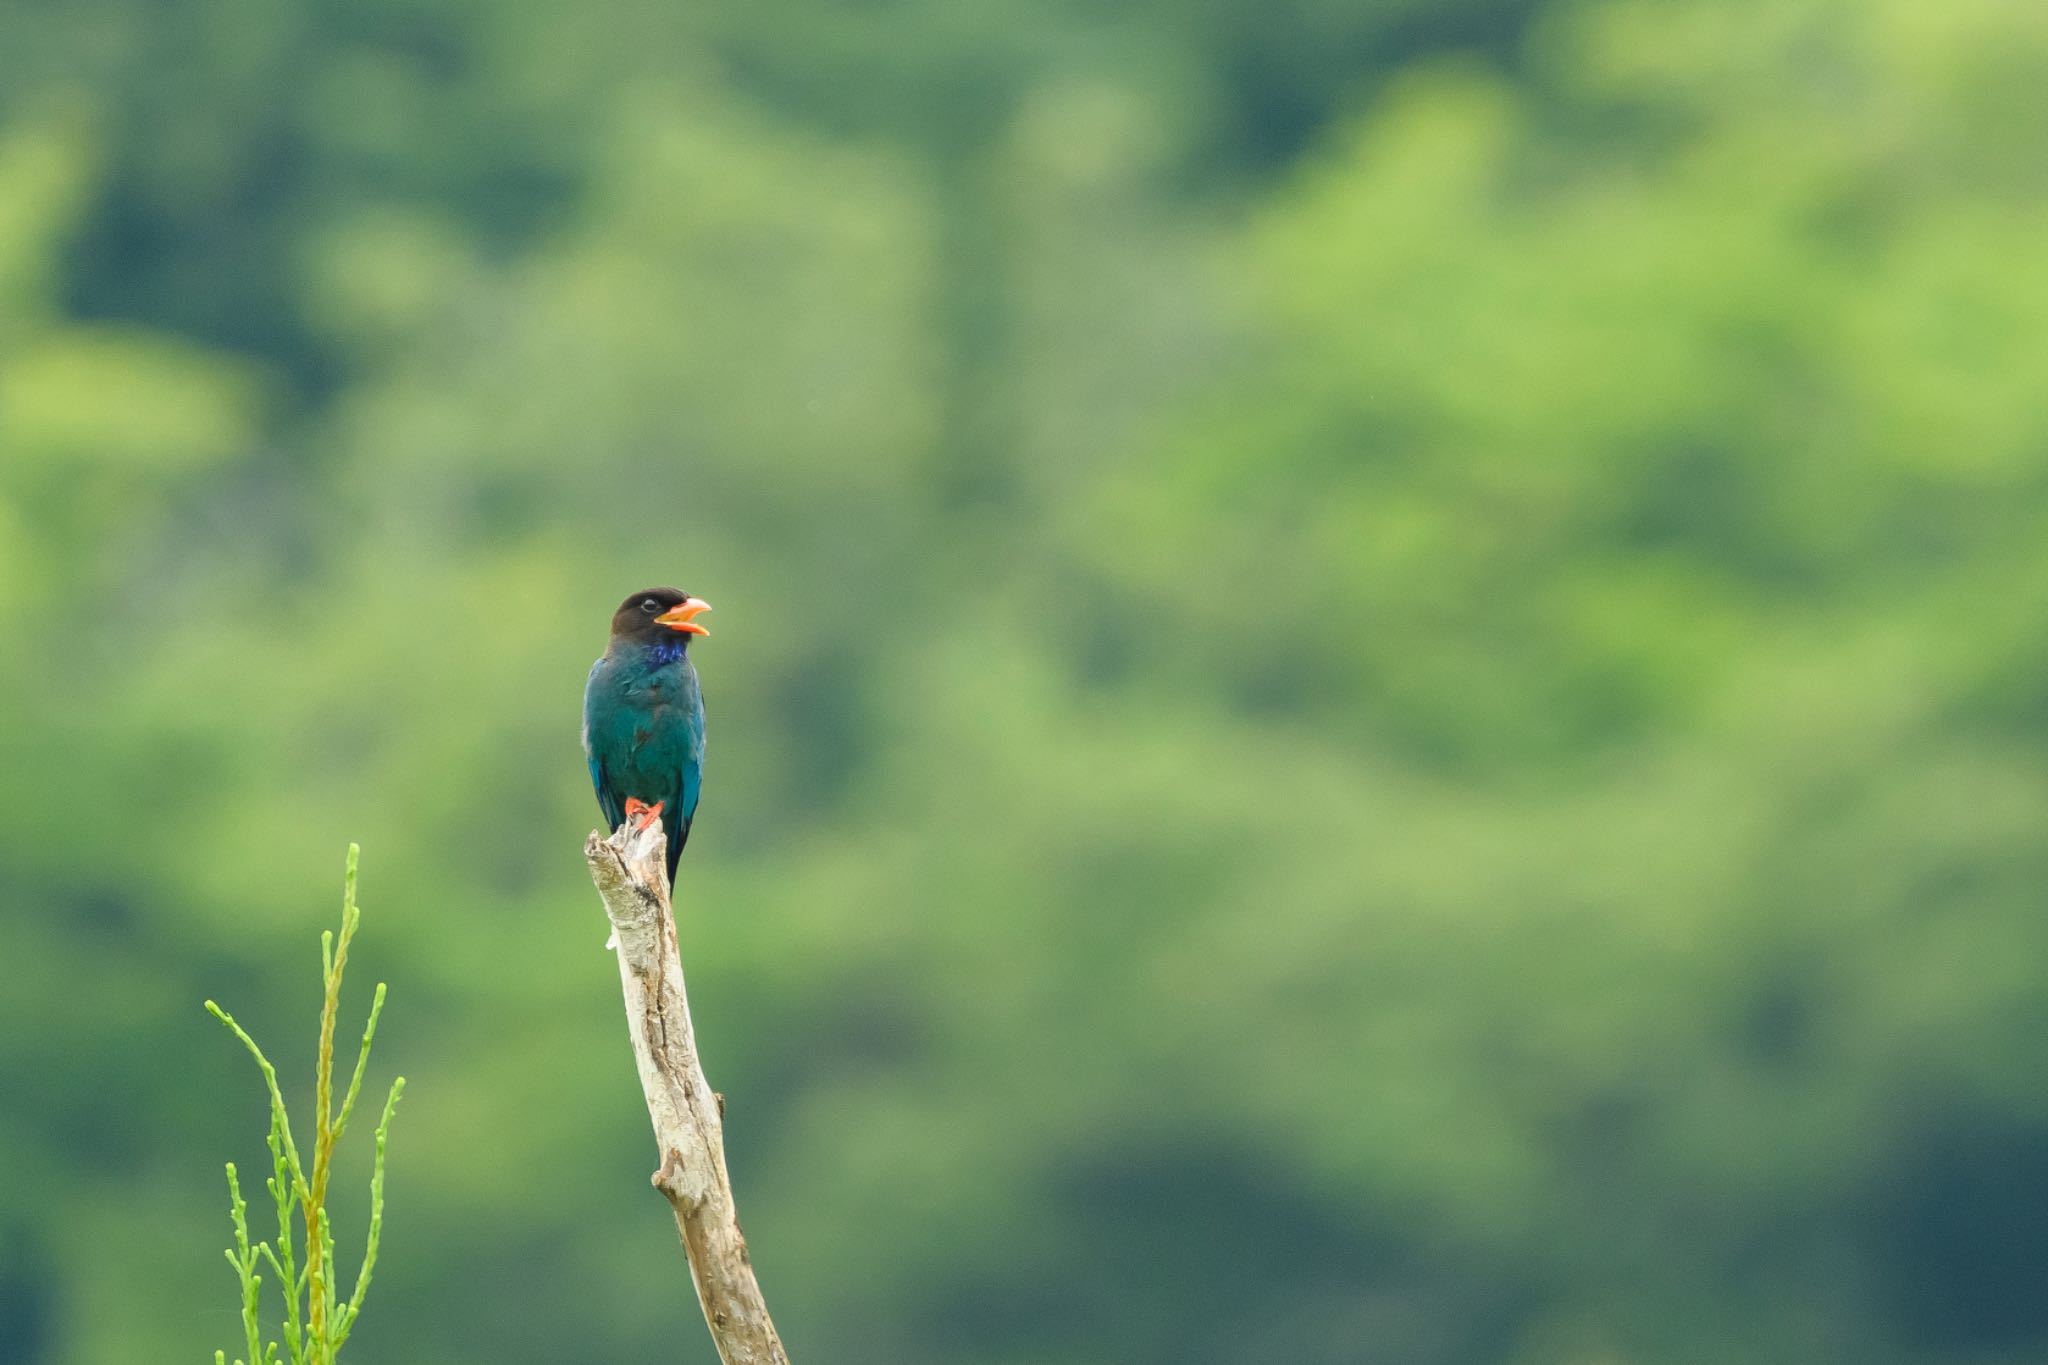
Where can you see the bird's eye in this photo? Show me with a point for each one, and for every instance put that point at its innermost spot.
(650, 606)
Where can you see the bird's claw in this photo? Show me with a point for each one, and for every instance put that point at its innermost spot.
(640, 815)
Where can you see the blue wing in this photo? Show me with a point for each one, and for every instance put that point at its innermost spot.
(609, 799)
(683, 810)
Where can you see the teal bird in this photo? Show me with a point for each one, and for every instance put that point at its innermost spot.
(643, 717)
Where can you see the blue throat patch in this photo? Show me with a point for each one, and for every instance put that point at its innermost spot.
(664, 652)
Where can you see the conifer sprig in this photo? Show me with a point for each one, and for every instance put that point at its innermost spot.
(316, 1321)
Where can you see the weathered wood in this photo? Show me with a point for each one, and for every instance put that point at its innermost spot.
(630, 875)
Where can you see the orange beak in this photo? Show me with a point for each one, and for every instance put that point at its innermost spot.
(684, 617)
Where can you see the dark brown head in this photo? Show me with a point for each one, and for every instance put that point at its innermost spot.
(653, 615)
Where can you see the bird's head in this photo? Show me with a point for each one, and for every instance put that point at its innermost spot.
(656, 615)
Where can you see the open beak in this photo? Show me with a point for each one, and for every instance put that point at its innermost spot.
(684, 617)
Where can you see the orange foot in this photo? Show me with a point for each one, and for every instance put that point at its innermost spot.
(640, 815)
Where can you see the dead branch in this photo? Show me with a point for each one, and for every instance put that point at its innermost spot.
(686, 1114)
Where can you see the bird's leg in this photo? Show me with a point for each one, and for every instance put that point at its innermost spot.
(640, 815)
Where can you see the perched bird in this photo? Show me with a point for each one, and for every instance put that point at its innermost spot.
(643, 717)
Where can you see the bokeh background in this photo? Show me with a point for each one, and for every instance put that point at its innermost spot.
(1380, 688)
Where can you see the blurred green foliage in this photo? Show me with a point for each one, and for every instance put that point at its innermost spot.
(1377, 693)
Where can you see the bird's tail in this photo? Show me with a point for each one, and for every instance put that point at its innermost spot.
(678, 831)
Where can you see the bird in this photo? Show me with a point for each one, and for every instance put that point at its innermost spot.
(643, 717)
